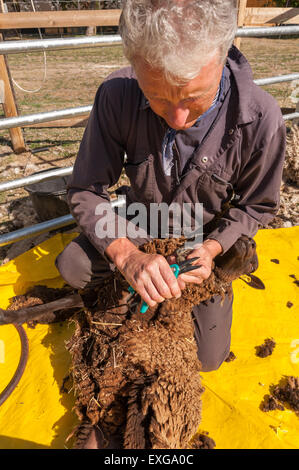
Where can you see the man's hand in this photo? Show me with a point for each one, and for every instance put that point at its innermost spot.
(149, 274)
(206, 253)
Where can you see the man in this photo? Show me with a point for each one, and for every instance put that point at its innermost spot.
(189, 125)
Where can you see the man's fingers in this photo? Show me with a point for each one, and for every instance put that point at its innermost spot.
(197, 276)
(162, 286)
(154, 280)
(156, 272)
(191, 279)
(151, 295)
(170, 280)
(181, 283)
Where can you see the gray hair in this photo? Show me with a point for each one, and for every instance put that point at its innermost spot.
(177, 36)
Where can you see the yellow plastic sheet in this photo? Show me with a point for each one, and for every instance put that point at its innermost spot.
(37, 415)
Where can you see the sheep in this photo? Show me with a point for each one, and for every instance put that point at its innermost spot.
(138, 375)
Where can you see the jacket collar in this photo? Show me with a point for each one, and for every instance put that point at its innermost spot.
(248, 108)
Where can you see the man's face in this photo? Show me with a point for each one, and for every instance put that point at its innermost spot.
(180, 106)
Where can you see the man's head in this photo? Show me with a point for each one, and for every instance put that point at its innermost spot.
(178, 48)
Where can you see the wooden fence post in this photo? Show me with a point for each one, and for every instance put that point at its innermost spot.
(9, 102)
(10, 108)
(241, 19)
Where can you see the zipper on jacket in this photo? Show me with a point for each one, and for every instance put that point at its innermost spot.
(176, 164)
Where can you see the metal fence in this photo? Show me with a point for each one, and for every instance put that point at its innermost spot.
(13, 47)
(33, 45)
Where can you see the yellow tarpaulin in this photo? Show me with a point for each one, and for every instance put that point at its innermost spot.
(38, 415)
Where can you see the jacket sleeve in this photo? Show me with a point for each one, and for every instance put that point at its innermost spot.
(257, 190)
(98, 166)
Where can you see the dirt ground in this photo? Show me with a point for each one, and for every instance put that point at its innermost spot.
(72, 78)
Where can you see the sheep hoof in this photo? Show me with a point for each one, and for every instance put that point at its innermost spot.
(91, 437)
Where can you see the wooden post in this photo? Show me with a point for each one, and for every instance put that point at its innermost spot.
(241, 18)
(10, 108)
(9, 102)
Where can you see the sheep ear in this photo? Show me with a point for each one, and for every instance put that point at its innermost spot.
(253, 281)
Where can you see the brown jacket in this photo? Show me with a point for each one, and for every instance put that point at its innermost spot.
(236, 172)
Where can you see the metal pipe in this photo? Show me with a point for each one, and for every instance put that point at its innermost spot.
(44, 117)
(36, 178)
(47, 226)
(37, 229)
(289, 117)
(268, 31)
(281, 78)
(50, 116)
(32, 45)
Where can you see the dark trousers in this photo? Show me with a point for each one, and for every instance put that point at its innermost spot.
(81, 265)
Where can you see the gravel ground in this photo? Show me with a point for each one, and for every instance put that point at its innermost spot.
(288, 214)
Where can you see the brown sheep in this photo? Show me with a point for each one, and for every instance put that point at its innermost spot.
(138, 375)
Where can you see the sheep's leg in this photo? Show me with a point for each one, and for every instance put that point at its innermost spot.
(90, 436)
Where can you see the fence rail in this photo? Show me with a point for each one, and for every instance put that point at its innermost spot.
(58, 19)
(291, 116)
(268, 31)
(43, 227)
(37, 229)
(278, 79)
(33, 45)
(49, 116)
(253, 16)
(35, 178)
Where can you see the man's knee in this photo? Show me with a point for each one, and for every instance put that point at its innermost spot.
(212, 360)
(72, 268)
(210, 364)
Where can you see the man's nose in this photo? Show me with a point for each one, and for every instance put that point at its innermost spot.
(177, 116)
